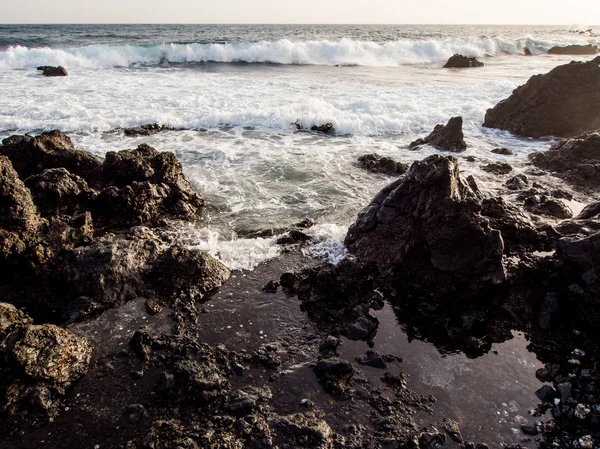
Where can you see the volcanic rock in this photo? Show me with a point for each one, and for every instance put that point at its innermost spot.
(459, 62)
(46, 353)
(497, 168)
(19, 220)
(564, 102)
(503, 151)
(575, 160)
(592, 210)
(543, 205)
(56, 191)
(10, 315)
(427, 228)
(48, 70)
(518, 182)
(32, 155)
(145, 130)
(447, 137)
(381, 164)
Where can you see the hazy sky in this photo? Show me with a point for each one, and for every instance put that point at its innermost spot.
(557, 12)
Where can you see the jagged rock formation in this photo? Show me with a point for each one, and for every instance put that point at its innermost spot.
(447, 137)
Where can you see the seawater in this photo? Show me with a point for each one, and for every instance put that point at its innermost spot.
(235, 93)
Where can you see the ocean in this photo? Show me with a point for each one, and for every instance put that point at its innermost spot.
(234, 94)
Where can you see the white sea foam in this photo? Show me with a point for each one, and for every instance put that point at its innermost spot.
(342, 52)
(327, 243)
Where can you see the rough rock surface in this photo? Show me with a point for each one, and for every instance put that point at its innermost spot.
(19, 220)
(376, 163)
(543, 205)
(10, 315)
(48, 70)
(459, 62)
(56, 191)
(46, 353)
(145, 130)
(575, 160)
(32, 155)
(419, 226)
(574, 50)
(447, 137)
(497, 168)
(564, 102)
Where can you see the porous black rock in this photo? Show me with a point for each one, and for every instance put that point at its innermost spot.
(48, 70)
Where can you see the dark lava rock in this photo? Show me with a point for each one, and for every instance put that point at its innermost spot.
(574, 50)
(271, 287)
(306, 223)
(46, 353)
(373, 359)
(461, 62)
(48, 70)
(503, 151)
(543, 205)
(363, 328)
(518, 182)
(191, 273)
(304, 430)
(575, 160)
(10, 315)
(527, 52)
(447, 137)
(592, 210)
(381, 164)
(56, 191)
(19, 220)
(145, 185)
(497, 168)
(564, 102)
(112, 270)
(32, 155)
(289, 283)
(583, 254)
(334, 375)
(546, 393)
(145, 130)
(418, 227)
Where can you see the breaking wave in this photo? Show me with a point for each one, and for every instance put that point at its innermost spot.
(342, 52)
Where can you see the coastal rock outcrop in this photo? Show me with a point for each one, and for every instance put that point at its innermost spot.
(575, 160)
(418, 227)
(461, 62)
(574, 50)
(145, 130)
(19, 219)
(32, 155)
(48, 70)
(447, 137)
(376, 163)
(564, 102)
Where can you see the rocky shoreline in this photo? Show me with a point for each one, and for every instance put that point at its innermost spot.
(107, 334)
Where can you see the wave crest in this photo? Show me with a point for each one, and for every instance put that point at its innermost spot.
(343, 52)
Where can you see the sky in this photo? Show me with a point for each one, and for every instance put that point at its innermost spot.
(530, 12)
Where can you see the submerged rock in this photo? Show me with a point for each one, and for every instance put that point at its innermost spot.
(447, 137)
(503, 151)
(564, 102)
(48, 70)
(460, 62)
(418, 227)
(145, 130)
(376, 163)
(575, 160)
(574, 50)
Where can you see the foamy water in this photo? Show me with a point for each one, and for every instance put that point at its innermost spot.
(381, 87)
